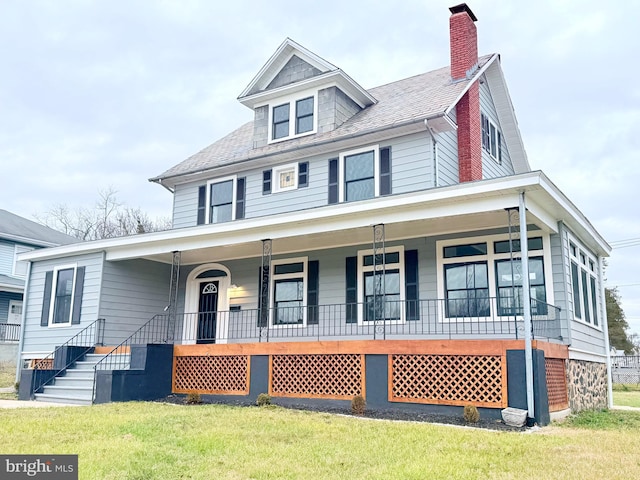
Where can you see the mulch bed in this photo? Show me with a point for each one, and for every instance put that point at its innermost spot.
(484, 423)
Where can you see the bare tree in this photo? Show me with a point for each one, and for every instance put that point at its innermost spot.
(109, 218)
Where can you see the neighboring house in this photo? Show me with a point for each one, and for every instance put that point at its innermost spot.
(19, 235)
(345, 242)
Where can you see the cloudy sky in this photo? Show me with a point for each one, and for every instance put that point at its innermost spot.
(107, 94)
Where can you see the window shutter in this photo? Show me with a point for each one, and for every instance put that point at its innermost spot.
(313, 281)
(333, 181)
(411, 284)
(263, 300)
(240, 195)
(77, 296)
(385, 171)
(46, 299)
(266, 182)
(303, 174)
(202, 208)
(351, 294)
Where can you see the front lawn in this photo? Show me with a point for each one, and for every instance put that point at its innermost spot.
(154, 440)
(626, 395)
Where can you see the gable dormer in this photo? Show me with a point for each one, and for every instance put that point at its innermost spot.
(297, 93)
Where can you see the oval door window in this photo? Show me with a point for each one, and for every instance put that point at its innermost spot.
(210, 288)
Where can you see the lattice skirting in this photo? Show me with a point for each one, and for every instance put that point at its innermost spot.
(331, 376)
(42, 364)
(557, 384)
(223, 375)
(479, 380)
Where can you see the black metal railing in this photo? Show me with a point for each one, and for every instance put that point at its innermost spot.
(381, 319)
(9, 332)
(160, 329)
(64, 356)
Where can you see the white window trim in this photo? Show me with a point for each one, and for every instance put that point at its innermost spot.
(580, 249)
(207, 215)
(17, 250)
(498, 144)
(291, 100)
(275, 177)
(285, 276)
(369, 268)
(376, 170)
(54, 285)
(490, 258)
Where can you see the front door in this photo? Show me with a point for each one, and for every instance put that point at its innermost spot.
(207, 312)
(15, 312)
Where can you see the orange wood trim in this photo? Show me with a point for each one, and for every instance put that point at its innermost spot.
(305, 395)
(505, 390)
(270, 389)
(553, 350)
(380, 347)
(173, 375)
(248, 383)
(390, 378)
(104, 350)
(363, 377)
(461, 403)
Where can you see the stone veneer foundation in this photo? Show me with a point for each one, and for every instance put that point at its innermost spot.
(587, 382)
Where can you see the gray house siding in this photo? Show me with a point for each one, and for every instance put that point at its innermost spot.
(490, 167)
(448, 167)
(7, 250)
(559, 279)
(185, 205)
(261, 126)
(38, 339)
(132, 293)
(334, 108)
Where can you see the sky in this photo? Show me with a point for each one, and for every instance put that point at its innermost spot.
(97, 95)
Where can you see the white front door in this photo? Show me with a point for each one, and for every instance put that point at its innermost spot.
(15, 312)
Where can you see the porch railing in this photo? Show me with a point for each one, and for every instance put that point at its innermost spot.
(63, 357)
(448, 319)
(9, 332)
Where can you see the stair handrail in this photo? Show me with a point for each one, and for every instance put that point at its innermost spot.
(125, 346)
(94, 330)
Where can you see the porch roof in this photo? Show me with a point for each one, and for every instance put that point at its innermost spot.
(462, 207)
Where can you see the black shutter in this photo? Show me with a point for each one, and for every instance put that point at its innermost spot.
(46, 299)
(77, 296)
(240, 194)
(263, 300)
(303, 174)
(351, 294)
(385, 171)
(333, 181)
(313, 281)
(202, 207)
(266, 182)
(411, 284)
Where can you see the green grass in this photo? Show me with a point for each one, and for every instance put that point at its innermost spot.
(151, 440)
(7, 374)
(626, 395)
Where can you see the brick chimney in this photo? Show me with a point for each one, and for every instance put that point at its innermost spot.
(464, 57)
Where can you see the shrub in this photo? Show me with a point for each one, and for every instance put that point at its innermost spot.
(263, 400)
(193, 399)
(358, 405)
(471, 414)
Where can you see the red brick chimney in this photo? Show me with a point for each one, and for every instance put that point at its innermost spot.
(464, 56)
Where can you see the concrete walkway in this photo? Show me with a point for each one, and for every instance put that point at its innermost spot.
(27, 403)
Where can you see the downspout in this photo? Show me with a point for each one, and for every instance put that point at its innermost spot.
(434, 154)
(23, 323)
(526, 305)
(605, 328)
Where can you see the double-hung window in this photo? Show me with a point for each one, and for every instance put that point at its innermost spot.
(491, 138)
(289, 291)
(222, 200)
(467, 290)
(295, 116)
(584, 284)
(381, 291)
(360, 174)
(62, 296)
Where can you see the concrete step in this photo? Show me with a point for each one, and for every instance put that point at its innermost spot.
(69, 391)
(73, 381)
(52, 398)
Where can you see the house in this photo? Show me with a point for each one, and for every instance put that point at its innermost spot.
(18, 235)
(345, 242)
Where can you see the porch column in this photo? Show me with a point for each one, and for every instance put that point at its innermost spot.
(526, 305)
(263, 313)
(173, 295)
(379, 304)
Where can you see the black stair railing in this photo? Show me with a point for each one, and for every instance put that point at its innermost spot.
(54, 363)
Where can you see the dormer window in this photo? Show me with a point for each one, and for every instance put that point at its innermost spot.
(298, 116)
